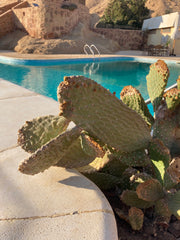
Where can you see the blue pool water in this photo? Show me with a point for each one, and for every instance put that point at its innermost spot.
(113, 75)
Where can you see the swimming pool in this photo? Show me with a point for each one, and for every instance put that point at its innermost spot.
(44, 76)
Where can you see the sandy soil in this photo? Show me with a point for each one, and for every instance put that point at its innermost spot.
(69, 44)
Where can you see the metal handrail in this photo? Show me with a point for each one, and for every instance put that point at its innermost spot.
(87, 46)
(93, 46)
(90, 49)
(167, 89)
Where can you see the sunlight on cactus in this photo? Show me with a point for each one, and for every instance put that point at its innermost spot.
(115, 143)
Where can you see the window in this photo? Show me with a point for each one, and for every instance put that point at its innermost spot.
(166, 30)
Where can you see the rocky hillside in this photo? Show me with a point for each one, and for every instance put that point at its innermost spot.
(156, 7)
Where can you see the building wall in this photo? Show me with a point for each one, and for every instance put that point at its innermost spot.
(47, 19)
(58, 21)
(154, 37)
(6, 23)
(177, 47)
(43, 18)
(27, 18)
(127, 39)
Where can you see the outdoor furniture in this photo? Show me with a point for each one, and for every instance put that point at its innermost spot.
(158, 50)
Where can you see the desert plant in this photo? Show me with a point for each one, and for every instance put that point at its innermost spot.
(113, 142)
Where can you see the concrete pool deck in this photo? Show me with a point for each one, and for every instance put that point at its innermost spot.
(132, 53)
(57, 204)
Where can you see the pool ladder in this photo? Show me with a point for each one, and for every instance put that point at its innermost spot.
(91, 49)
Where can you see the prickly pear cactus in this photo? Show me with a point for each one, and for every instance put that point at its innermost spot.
(174, 169)
(178, 83)
(130, 198)
(156, 82)
(133, 99)
(39, 131)
(135, 159)
(100, 160)
(104, 181)
(111, 143)
(51, 153)
(172, 98)
(167, 129)
(174, 203)
(160, 158)
(101, 114)
(150, 190)
(136, 218)
(162, 209)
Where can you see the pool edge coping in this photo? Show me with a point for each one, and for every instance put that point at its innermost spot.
(56, 59)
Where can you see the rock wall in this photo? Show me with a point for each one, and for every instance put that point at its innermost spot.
(6, 23)
(47, 19)
(127, 39)
(7, 7)
(58, 21)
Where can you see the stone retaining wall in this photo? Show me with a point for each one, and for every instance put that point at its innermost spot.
(59, 21)
(27, 18)
(6, 23)
(43, 18)
(127, 39)
(47, 19)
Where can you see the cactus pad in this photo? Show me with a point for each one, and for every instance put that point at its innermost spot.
(178, 83)
(135, 159)
(160, 157)
(103, 180)
(174, 204)
(174, 169)
(77, 157)
(51, 153)
(130, 198)
(161, 208)
(101, 114)
(133, 99)
(97, 164)
(156, 82)
(139, 178)
(172, 98)
(136, 218)
(114, 167)
(167, 128)
(41, 130)
(150, 190)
